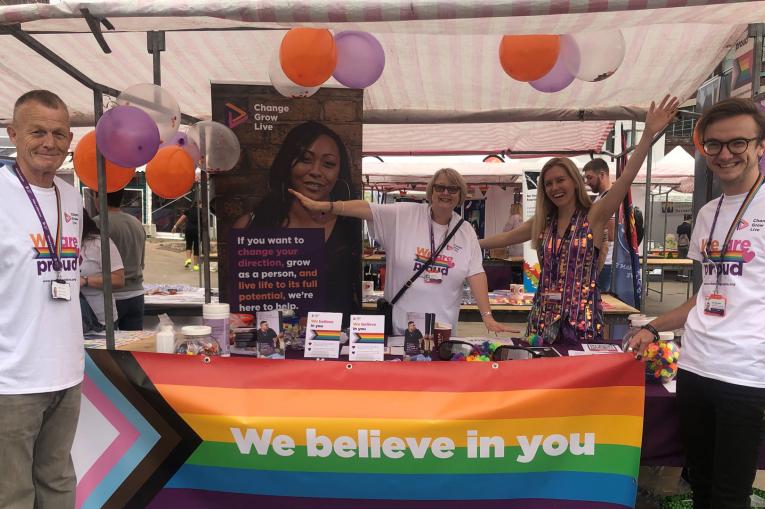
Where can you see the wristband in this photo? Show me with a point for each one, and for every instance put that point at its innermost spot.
(650, 328)
(86, 281)
(485, 313)
(331, 207)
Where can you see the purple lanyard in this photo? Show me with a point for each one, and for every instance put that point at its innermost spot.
(52, 246)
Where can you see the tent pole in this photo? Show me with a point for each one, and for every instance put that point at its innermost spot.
(647, 221)
(103, 215)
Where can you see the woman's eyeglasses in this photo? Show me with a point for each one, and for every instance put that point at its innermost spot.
(735, 146)
(440, 188)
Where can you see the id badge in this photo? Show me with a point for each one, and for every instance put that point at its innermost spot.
(433, 277)
(60, 290)
(714, 304)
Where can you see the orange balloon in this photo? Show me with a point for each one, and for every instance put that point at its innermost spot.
(170, 173)
(697, 139)
(308, 55)
(528, 57)
(84, 161)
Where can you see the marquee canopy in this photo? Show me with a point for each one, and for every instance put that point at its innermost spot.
(442, 91)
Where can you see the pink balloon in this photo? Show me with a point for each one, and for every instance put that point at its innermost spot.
(360, 59)
(559, 76)
(127, 136)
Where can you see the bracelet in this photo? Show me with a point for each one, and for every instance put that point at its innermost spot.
(486, 313)
(86, 281)
(650, 328)
(331, 207)
(342, 207)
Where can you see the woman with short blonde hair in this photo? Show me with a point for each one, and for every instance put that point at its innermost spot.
(411, 233)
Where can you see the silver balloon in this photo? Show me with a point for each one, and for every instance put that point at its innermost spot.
(218, 145)
(158, 103)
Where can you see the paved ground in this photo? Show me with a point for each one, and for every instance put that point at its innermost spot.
(164, 264)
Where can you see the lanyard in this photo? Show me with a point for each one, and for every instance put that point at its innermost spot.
(432, 240)
(53, 247)
(741, 210)
(556, 248)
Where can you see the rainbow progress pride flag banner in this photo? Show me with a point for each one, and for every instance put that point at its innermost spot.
(236, 432)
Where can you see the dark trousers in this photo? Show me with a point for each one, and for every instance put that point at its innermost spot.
(130, 313)
(722, 425)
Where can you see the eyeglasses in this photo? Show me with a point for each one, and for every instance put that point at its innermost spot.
(735, 146)
(454, 350)
(440, 188)
(514, 353)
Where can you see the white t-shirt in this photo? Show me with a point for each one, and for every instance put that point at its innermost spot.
(403, 230)
(91, 264)
(41, 346)
(730, 348)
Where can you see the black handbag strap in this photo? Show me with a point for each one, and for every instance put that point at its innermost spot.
(428, 263)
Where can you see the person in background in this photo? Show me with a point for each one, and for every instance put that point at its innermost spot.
(514, 220)
(265, 334)
(409, 233)
(314, 161)
(91, 271)
(41, 353)
(721, 376)
(189, 219)
(130, 238)
(684, 236)
(597, 177)
(566, 231)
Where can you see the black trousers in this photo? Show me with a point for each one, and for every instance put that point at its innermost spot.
(722, 426)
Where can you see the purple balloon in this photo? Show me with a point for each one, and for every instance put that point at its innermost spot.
(559, 76)
(127, 136)
(182, 140)
(360, 59)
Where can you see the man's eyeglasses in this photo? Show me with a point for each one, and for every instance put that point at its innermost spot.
(735, 146)
(440, 188)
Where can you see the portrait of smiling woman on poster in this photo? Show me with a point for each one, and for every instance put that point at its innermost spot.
(314, 161)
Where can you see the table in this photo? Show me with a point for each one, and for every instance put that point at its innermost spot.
(615, 312)
(500, 272)
(669, 263)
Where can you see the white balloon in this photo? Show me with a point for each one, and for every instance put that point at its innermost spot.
(601, 54)
(220, 150)
(283, 84)
(160, 105)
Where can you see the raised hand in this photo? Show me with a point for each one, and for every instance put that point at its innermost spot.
(659, 116)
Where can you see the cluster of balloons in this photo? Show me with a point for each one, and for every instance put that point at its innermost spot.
(550, 63)
(143, 130)
(307, 57)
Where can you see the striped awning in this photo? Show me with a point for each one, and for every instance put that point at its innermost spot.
(442, 91)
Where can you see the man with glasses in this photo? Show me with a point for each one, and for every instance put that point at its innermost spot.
(721, 381)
